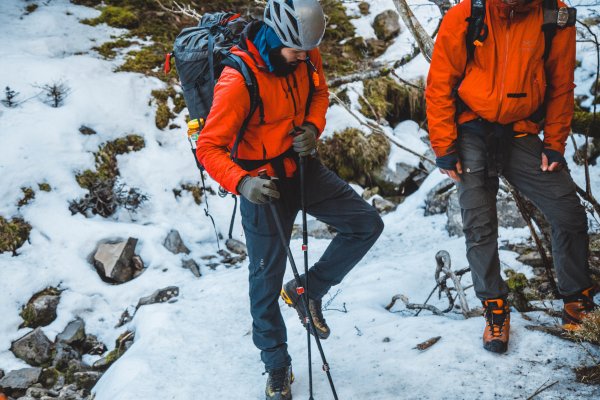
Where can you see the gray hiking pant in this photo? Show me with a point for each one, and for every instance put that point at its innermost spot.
(332, 201)
(553, 193)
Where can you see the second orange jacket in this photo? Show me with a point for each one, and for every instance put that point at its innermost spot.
(507, 80)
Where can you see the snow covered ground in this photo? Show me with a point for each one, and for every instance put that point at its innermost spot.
(200, 347)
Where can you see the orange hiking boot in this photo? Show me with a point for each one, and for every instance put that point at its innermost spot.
(577, 307)
(497, 326)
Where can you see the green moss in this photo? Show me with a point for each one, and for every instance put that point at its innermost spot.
(119, 17)
(106, 160)
(582, 121)
(338, 23)
(13, 234)
(44, 187)
(387, 99)
(31, 8)
(107, 50)
(28, 195)
(517, 282)
(49, 377)
(145, 61)
(28, 313)
(352, 155)
(163, 116)
(179, 103)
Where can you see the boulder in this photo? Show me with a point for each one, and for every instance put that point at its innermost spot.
(387, 25)
(73, 334)
(87, 380)
(34, 348)
(116, 261)
(160, 296)
(175, 244)
(192, 266)
(41, 308)
(15, 383)
(382, 205)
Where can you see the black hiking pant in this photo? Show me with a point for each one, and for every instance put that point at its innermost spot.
(330, 200)
(518, 159)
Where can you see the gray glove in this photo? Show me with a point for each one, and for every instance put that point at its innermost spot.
(305, 139)
(258, 190)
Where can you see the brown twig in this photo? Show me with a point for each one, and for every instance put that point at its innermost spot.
(541, 389)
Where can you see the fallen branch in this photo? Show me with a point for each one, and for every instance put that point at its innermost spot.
(541, 389)
(413, 306)
(428, 343)
(424, 41)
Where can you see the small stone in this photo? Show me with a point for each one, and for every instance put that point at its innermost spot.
(125, 319)
(34, 348)
(87, 380)
(93, 346)
(235, 246)
(41, 309)
(175, 244)
(383, 206)
(86, 130)
(192, 266)
(386, 340)
(74, 333)
(15, 383)
(160, 296)
(387, 25)
(49, 377)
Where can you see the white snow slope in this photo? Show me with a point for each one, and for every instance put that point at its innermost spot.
(200, 347)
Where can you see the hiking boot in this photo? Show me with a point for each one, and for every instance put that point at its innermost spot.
(497, 327)
(577, 307)
(279, 384)
(291, 297)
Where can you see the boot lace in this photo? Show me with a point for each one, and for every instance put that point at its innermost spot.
(277, 379)
(496, 319)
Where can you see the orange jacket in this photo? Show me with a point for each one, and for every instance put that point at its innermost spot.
(507, 80)
(284, 100)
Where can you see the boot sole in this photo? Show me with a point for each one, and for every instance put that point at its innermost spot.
(288, 300)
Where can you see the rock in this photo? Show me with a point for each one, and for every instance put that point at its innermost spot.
(508, 214)
(125, 318)
(160, 296)
(49, 377)
(36, 392)
(64, 354)
(86, 130)
(74, 333)
(41, 308)
(91, 345)
(398, 182)
(437, 199)
(364, 8)
(87, 380)
(1, 373)
(34, 348)
(192, 266)
(387, 25)
(235, 246)
(376, 47)
(174, 243)
(115, 262)
(315, 228)
(382, 205)
(15, 383)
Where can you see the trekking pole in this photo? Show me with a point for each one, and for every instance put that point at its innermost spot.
(305, 251)
(299, 288)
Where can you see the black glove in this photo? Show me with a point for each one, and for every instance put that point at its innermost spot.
(258, 190)
(554, 156)
(305, 139)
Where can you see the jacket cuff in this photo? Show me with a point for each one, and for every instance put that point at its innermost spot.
(447, 162)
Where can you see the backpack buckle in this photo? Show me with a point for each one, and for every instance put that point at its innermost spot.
(563, 17)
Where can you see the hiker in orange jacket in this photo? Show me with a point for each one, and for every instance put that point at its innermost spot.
(282, 53)
(491, 89)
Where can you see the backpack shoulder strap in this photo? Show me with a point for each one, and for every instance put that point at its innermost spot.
(311, 70)
(477, 30)
(239, 65)
(555, 18)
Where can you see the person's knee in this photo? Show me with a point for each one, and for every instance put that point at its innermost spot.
(570, 217)
(481, 232)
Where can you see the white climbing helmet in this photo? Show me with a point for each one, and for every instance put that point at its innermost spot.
(299, 24)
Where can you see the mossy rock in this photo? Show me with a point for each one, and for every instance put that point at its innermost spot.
(394, 102)
(517, 282)
(146, 61)
(28, 195)
(44, 187)
(364, 8)
(353, 155)
(119, 17)
(31, 8)
(40, 310)
(13, 234)
(583, 120)
(163, 116)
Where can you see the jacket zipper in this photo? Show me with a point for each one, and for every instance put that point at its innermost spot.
(292, 93)
(506, 48)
